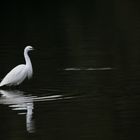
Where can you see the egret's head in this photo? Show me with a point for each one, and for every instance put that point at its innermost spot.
(29, 48)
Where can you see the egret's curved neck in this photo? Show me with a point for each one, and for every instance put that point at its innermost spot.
(28, 64)
(27, 58)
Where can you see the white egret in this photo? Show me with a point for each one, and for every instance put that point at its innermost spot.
(18, 74)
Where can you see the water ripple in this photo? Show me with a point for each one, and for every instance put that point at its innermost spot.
(87, 69)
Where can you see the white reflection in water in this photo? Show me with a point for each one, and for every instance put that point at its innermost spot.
(16, 100)
(24, 104)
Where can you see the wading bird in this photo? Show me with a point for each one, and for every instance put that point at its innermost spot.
(18, 74)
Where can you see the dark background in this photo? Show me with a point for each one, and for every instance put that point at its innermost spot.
(72, 34)
(97, 34)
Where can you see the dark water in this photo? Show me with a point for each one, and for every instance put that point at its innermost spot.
(86, 82)
(86, 102)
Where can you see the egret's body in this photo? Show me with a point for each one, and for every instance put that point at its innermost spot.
(18, 74)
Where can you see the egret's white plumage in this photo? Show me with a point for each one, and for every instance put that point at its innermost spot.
(18, 74)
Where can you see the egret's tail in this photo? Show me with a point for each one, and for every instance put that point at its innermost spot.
(1, 84)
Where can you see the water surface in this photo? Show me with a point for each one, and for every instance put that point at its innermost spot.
(86, 82)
